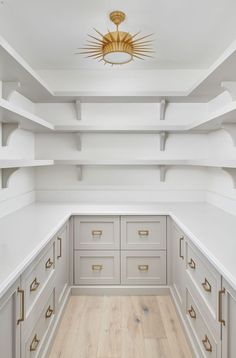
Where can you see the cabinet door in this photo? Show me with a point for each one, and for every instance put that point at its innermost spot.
(227, 315)
(178, 264)
(11, 314)
(62, 263)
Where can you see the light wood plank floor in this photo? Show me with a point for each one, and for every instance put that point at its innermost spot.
(120, 327)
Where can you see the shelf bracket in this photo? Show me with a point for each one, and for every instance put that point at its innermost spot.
(78, 141)
(7, 130)
(163, 170)
(163, 137)
(230, 87)
(6, 175)
(78, 109)
(163, 104)
(80, 172)
(8, 88)
(231, 130)
(232, 173)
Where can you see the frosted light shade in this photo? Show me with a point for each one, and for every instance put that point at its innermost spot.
(118, 57)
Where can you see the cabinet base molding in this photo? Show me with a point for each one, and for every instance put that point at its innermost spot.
(55, 327)
(120, 290)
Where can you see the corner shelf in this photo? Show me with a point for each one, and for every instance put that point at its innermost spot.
(12, 117)
(8, 167)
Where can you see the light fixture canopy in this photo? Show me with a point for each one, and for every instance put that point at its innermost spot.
(117, 47)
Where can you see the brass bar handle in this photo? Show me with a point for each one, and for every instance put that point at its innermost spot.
(49, 312)
(96, 233)
(180, 247)
(143, 233)
(220, 319)
(34, 344)
(192, 312)
(97, 267)
(34, 285)
(60, 252)
(206, 285)
(192, 264)
(49, 263)
(207, 344)
(22, 303)
(143, 268)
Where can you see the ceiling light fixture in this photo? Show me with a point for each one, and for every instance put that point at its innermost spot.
(117, 47)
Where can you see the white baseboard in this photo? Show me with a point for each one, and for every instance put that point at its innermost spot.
(10, 205)
(120, 290)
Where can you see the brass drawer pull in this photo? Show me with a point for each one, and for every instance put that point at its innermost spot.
(207, 344)
(34, 344)
(34, 285)
(220, 319)
(192, 264)
(192, 312)
(206, 285)
(22, 292)
(180, 247)
(60, 247)
(49, 312)
(143, 268)
(96, 233)
(143, 232)
(97, 267)
(49, 263)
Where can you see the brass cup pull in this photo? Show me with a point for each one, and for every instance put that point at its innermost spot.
(22, 293)
(97, 267)
(49, 263)
(143, 233)
(96, 233)
(192, 312)
(34, 344)
(206, 285)
(49, 312)
(180, 247)
(60, 248)
(143, 268)
(207, 344)
(220, 319)
(192, 264)
(34, 285)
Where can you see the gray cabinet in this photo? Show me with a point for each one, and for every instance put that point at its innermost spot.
(11, 315)
(227, 315)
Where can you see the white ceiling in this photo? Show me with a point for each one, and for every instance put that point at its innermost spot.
(189, 34)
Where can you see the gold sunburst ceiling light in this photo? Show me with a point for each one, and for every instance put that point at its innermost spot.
(117, 47)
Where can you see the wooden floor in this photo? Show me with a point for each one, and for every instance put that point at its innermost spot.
(120, 327)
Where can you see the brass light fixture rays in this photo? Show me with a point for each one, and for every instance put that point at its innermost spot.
(117, 47)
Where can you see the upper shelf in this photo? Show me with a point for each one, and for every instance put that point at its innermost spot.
(21, 163)
(10, 113)
(14, 68)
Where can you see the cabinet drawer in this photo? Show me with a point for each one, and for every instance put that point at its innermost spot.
(205, 278)
(36, 277)
(36, 340)
(207, 344)
(143, 232)
(148, 267)
(96, 268)
(96, 233)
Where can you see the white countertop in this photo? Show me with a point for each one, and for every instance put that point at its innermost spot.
(25, 232)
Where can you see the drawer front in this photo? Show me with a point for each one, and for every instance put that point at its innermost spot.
(146, 268)
(97, 233)
(36, 277)
(207, 344)
(205, 278)
(96, 268)
(35, 342)
(143, 232)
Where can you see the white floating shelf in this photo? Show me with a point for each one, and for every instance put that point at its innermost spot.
(10, 113)
(22, 163)
(117, 162)
(14, 68)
